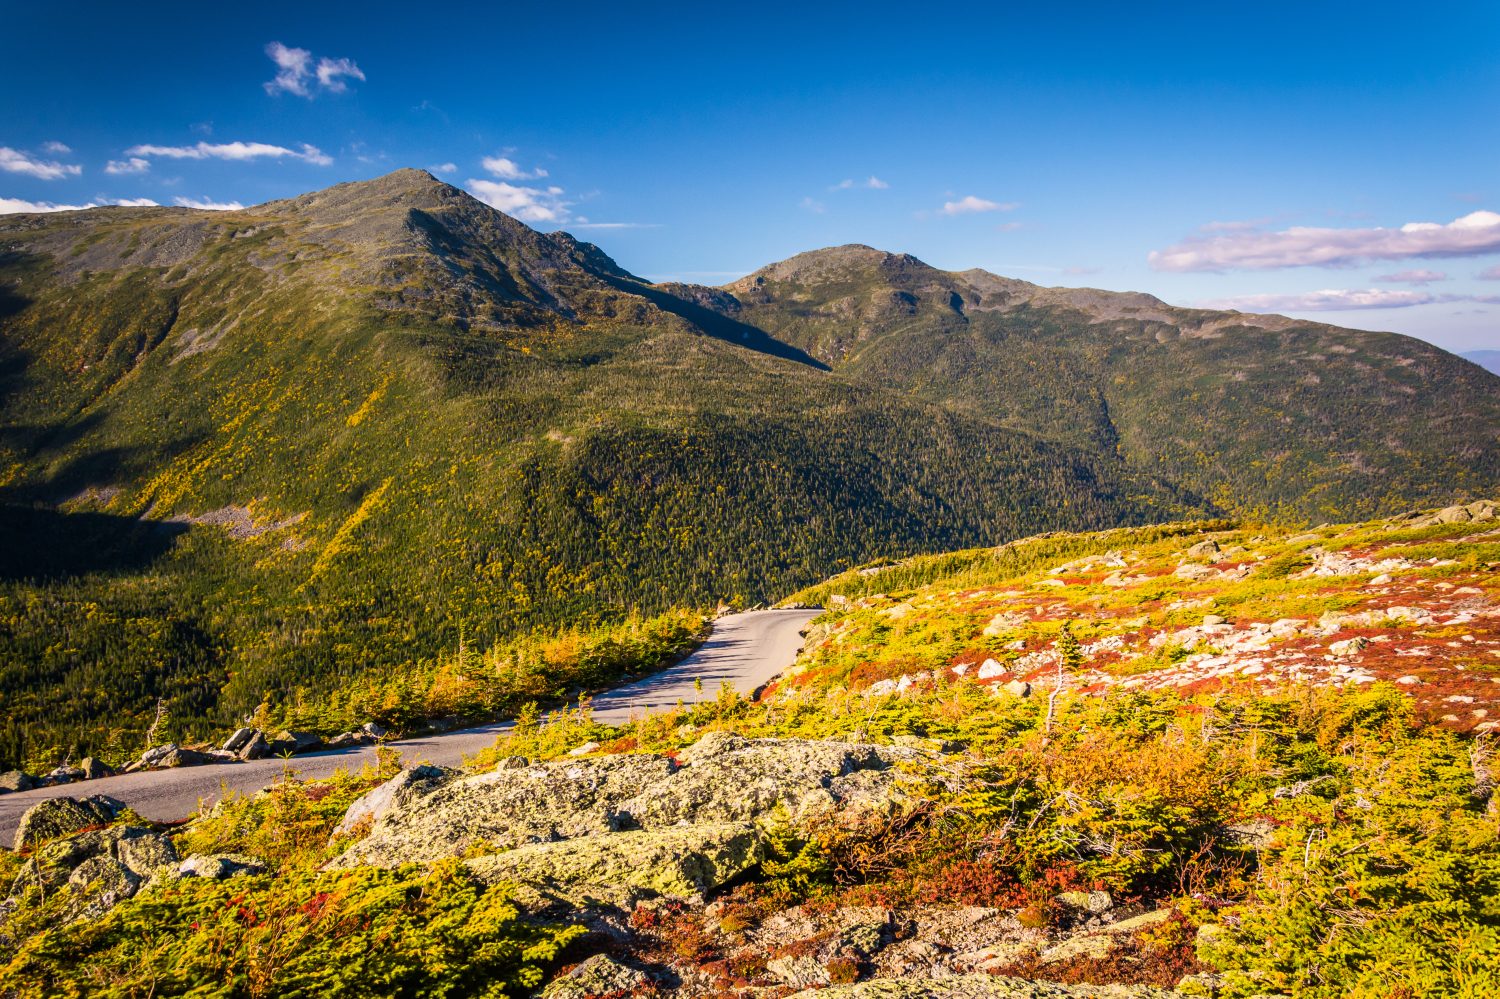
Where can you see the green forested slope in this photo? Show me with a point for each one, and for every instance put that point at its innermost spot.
(249, 453)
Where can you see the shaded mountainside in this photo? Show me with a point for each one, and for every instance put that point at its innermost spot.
(262, 453)
(1265, 415)
(266, 451)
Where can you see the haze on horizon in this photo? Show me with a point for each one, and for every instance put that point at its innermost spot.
(1331, 163)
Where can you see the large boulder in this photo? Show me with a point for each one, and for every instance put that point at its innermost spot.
(298, 742)
(16, 780)
(257, 747)
(376, 804)
(94, 769)
(53, 818)
(679, 861)
(721, 779)
(236, 742)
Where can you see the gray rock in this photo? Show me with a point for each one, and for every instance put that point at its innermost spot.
(16, 780)
(94, 769)
(600, 975)
(256, 747)
(53, 818)
(680, 861)
(300, 742)
(374, 805)
(800, 972)
(373, 730)
(145, 852)
(237, 741)
(103, 882)
(63, 775)
(218, 866)
(1017, 688)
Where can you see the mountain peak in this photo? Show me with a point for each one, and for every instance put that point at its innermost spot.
(835, 264)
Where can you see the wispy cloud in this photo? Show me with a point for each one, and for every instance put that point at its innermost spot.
(207, 204)
(12, 206)
(584, 224)
(971, 205)
(15, 161)
(56, 148)
(812, 205)
(1477, 232)
(1421, 277)
(1339, 300)
(237, 151)
(529, 204)
(507, 169)
(296, 73)
(871, 183)
(134, 164)
(1489, 274)
(443, 168)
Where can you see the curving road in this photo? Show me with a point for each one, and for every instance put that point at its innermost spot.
(747, 650)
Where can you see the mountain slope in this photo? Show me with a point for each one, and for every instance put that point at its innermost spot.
(262, 453)
(1267, 415)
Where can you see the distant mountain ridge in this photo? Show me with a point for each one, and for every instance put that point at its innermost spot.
(246, 454)
(1489, 360)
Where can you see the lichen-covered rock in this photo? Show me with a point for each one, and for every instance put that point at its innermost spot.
(218, 866)
(101, 882)
(431, 818)
(53, 818)
(600, 975)
(679, 861)
(981, 987)
(375, 804)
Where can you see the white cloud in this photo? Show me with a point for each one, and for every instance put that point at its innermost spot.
(812, 205)
(1412, 277)
(134, 164)
(11, 206)
(529, 204)
(1477, 232)
(331, 74)
(443, 168)
(56, 148)
(238, 151)
(15, 161)
(296, 73)
(206, 205)
(507, 169)
(1339, 300)
(969, 205)
(1489, 274)
(872, 183)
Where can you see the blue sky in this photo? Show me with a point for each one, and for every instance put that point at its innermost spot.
(1330, 160)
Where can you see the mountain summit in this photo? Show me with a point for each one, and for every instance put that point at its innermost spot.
(285, 446)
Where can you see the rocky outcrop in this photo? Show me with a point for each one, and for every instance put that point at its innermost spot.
(982, 987)
(16, 780)
(52, 818)
(635, 824)
(98, 867)
(600, 975)
(679, 861)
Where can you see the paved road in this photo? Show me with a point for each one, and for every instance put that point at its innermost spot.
(745, 649)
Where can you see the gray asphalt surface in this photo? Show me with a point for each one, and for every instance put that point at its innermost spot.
(747, 650)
